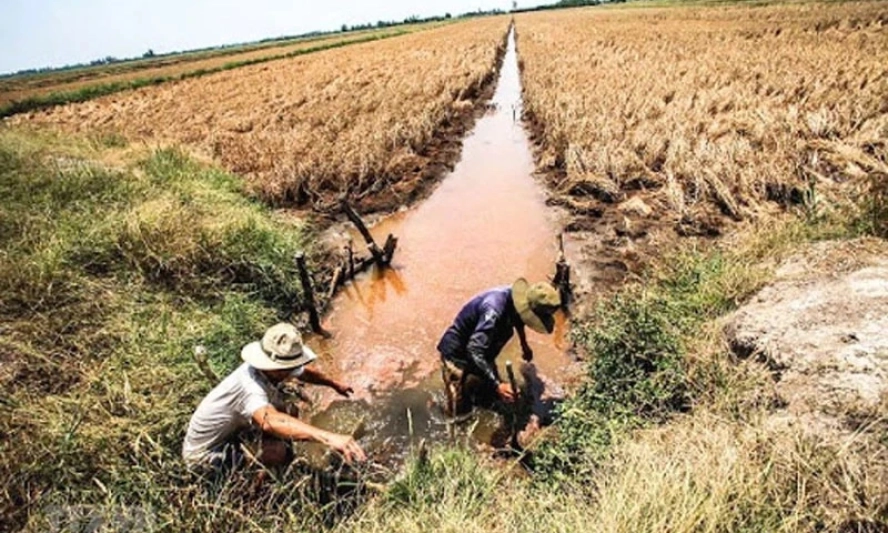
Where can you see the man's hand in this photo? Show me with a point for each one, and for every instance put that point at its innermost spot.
(504, 390)
(343, 389)
(526, 353)
(348, 447)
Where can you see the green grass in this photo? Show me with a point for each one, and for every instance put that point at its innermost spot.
(638, 343)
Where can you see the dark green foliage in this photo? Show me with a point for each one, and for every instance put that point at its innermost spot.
(637, 373)
(637, 364)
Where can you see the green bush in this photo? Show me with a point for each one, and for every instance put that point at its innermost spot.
(635, 373)
(636, 343)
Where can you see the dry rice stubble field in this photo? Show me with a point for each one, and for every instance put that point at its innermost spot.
(186, 64)
(656, 121)
(360, 121)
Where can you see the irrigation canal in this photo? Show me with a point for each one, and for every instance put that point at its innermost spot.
(486, 224)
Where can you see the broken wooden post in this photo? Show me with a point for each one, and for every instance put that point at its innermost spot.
(388, 249)
(308, 294)
(351, 260)
(371, 244)
(562, 274)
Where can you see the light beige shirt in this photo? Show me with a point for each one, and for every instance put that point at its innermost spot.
(228, 409)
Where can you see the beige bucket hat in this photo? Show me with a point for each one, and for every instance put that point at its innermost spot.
(536, 304)
(281, 348)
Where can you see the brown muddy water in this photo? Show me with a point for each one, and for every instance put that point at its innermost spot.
(486, 224)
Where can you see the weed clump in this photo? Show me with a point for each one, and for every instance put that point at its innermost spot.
(639, 369)
(636, 373)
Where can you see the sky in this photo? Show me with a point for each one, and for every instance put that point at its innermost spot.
(54, 33)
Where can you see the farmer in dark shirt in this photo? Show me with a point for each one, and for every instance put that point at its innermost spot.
(482, 328)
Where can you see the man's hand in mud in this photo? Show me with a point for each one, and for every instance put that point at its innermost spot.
(527, 353)
(349, 448)
(343, 389)
(504, 390)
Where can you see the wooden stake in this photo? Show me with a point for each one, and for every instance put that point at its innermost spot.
(562, 274)
(514, 385)
(371, 244)
(388, 249)
(308, 294)
(351, 260)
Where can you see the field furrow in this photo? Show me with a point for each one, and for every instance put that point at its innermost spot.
(707, 111)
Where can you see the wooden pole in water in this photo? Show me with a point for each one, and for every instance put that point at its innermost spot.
(562, 274)
(515, 410)
(308, 293)
(378, 256)
(388, 249)
(351, 260)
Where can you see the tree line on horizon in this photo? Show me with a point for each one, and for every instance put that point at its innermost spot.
(345, 28)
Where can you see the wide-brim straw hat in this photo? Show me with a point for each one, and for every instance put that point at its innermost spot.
(281, 348)
(536, 304)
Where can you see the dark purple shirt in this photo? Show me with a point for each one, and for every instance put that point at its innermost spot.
(483, 326)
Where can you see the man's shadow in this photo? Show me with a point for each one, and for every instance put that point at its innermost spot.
(535, 409)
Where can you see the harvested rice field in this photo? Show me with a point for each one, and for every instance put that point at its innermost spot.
(705, 113)
(18, 88)
(306, 130)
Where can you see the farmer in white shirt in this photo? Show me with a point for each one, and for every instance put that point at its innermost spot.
(249, 400)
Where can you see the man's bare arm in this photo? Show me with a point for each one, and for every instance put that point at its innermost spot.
(526, 351)
(316, 377)
(282, 425)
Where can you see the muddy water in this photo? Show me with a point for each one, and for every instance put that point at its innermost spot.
(485, 225)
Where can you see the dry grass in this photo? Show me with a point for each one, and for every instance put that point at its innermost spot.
(30, 86)
(310, 128)
(701, 473)
(712, 109)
